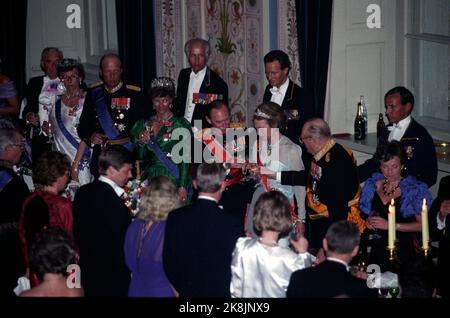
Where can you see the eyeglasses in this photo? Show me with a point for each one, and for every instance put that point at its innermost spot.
(302, 139)
(19, 145)
(67, 77)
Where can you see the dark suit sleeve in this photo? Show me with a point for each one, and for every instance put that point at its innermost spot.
(443, 194)
(341, 186)
(32, 92)
(295, 285)
(426, 161)
(294, 178)
(224, 90)
(180, 101)
(88, 121)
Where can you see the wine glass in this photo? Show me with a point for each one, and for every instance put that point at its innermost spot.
(394, 291)
(375, 235)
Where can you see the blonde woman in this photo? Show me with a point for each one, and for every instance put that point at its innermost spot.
(260, 266)
(145, 238)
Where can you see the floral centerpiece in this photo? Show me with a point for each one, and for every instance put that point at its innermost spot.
(132, 195)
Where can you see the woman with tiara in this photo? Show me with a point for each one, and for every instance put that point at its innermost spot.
(153, 142)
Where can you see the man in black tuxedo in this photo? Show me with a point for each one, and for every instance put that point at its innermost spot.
(331, 180)
(100, 222)
(198, 85)
(50, 57)
(13, 191)
(283, 91)
(331, 278)
(413, 137)
(116, 108)
(200, 240)
(440, 223)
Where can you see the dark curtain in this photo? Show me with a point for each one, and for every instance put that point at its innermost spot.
(13, 35)
(314, 29)
(136, 36)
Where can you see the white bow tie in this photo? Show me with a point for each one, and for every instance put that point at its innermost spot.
(275, 90)
(195, 75)
(394, 126)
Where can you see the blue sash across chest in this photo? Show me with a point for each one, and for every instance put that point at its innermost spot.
(71, 139)
(5, 178)
(105, 118)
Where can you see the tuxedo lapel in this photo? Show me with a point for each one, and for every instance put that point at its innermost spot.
(206, 80)
(289, 96)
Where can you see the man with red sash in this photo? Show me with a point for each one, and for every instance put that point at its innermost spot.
(116, 108)
(238, 192)
(332, 185)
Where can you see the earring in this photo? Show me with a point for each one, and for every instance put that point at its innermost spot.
(170, 106)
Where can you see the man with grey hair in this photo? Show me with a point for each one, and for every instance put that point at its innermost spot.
(198, 85)
(48, 83)
(13, 191)
(331, 277)
(200, 239)
(332, 186)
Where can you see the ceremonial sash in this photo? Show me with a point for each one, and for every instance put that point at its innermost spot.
(171, 167)
(71, 139)
(221, 155)
(105, 118)
(5, 178)
(321, 210)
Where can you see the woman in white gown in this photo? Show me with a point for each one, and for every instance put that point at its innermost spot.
(64, 116)
(276, 153)
(260, 267)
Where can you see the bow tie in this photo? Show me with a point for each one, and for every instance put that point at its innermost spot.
(194, 75)
(394, 126)
(275, 90)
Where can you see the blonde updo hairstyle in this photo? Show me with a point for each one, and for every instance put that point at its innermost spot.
(158, 199)
(272, 113)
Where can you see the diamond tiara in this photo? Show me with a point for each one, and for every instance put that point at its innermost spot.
(262, 114)
(163, 82)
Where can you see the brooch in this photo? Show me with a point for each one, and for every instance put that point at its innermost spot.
(409, 152)
(166, 137)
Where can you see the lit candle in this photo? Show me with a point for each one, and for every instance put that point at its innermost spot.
(391, 225)
(425, 230)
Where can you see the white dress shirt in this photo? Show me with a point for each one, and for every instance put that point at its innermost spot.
(440, 224)
(398, 130)
(118, 190)
(195, 82)
(278, 93)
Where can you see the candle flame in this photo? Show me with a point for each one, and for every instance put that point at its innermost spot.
(392, 201)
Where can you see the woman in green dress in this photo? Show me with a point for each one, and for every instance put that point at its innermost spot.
(153, 140)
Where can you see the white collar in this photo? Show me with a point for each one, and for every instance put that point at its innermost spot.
(200, 73)
(205, 197)
(404, 122)
(337, 260)
(47, 79)
(282, 89)
(118, 190)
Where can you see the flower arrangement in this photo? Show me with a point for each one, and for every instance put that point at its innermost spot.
(132, 195)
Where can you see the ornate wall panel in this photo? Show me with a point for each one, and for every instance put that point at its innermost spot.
(287, 37)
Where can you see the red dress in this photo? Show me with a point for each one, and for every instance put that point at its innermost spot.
(40, 210)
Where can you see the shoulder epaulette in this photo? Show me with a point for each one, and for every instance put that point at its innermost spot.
(97, 84)
(134, 88)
